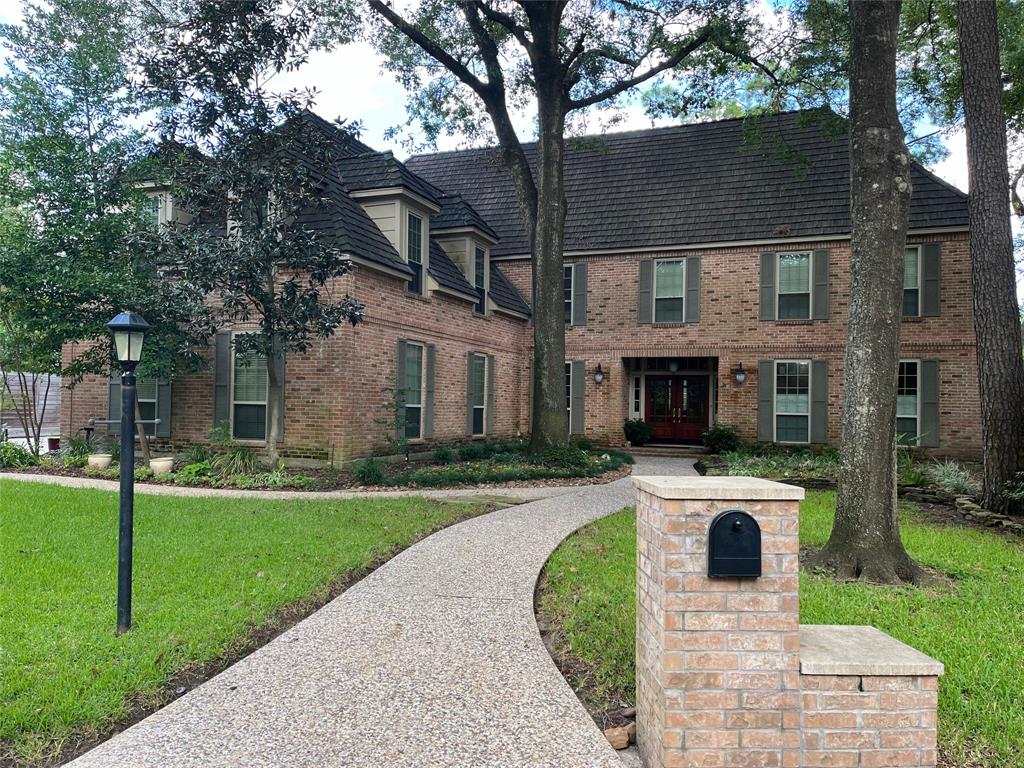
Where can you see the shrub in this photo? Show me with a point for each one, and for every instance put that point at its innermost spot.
(234, 460)
(143, 473)
(583, 443)
(197, 454)
(472, 452)
(443, 455)
(565, 457)
(953, 477)
(370, 472)
(722, 438)
(638, 432)
(774, 462)
(198, 473)
(510, 457)
(15, 457)
(908, 472)
(1014, 489)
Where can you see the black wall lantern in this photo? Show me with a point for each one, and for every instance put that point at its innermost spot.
(740, 374)
(598, 374)
(734, 545)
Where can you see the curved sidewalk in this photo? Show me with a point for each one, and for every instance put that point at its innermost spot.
(434, 659)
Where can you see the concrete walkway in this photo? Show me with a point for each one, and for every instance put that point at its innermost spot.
(434, 659)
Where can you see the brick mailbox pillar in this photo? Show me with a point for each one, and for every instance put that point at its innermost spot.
(717, 658)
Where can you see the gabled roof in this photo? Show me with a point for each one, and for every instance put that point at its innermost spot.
(447, 274)
(456, 212)
(343, 144)
(733, 180)
(504, 294)
(380, 170)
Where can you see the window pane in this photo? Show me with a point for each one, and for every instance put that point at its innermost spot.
(794, 273)
(792, 387)
(413, 374)
(567, 294)
(794, 306)
(910, 274)
(250, 422)
(906, 390)
(415, 244)
(478, 421)
(145, 390)
(791, 403)
(479, 259)
(668, 310)
(147, 412)
(250, 378)
(906, 405)
(791, 429)
(479, 366)
(911, 302)
(668, 279)
(416, 284)
(152, 210)
(906, 430)
(412, 421)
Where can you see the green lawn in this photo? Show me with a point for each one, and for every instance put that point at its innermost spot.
(206, 572)
(975, 626)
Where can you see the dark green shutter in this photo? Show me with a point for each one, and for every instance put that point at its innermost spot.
(579, 388)
(469, 394)
(931, 279)
(428, 398)
(766, 401)
(693, 289)
(114, 403)
(767, 286)
(579, 294)
(222, 379)
(489, 425)
(929, 393)
(645, 296)
(279, 365)
(819, 298)
(819, 401)
(163, 408)
(400, 390)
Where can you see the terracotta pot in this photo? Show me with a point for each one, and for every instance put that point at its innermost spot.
(100, 460)
(161, 466)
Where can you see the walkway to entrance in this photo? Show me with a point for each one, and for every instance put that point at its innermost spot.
(434, 659)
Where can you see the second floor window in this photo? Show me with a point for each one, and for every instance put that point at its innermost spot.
(794, 293)
(479, 259)
(567, 292)
(669, 291)
(912, 282)
(414, 252)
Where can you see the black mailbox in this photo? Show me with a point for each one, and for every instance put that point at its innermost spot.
(734, 545)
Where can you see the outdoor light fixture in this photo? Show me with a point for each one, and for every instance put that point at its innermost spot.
(673, 366)
(740, 374)
(598, 374)
(129, 331)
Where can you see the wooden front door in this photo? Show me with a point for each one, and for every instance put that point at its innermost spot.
(677, 406)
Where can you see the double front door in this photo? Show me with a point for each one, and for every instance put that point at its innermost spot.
(677, 406)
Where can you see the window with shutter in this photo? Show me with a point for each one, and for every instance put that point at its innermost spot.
(248, 396)
(908, 405)
(568, 396)
(669, 291)
(792, 401)
(412, 391)
(794, 286)
(912, 282)
(567, 279)
(146, 393)
(478, 376)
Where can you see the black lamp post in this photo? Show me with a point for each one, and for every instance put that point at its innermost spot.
(128, 330)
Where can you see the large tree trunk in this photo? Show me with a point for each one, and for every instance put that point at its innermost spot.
(274, 385)
(865, 540)
(996, 318)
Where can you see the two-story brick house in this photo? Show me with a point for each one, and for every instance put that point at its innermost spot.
(706, 277)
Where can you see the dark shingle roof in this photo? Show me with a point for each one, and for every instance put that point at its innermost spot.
(457, 212)
(380, 170)
(504, 294)
(447, 274)
(689, 184)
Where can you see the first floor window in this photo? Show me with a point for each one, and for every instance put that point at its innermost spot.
(412, 389)
(907, 411)
(669, 291)
(415, 253)
(912, 282)
(249, 397)
(479, 394)
(146, 393)
(479, 264)
(568, 396)
(567, 275)
(792, 401)
(636, 397)
(794, 294)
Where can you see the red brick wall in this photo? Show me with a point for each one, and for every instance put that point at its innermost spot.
(730, 331)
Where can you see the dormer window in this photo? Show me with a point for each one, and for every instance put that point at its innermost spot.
(479, 259)
(155, 210)
(414, 252)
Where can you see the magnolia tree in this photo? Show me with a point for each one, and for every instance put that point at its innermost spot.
(471, 66)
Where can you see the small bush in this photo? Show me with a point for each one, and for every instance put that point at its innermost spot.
(1014, 489)
(443, 455)
(510, 457)
(196, 454)
(908, 472)
(638, 432)
(953, 477)
(15, 457)
(722, 438)
(777, 462)
(198, 473)
(234, 460)
(565, 457)
(583, 443)
(370, 472)
(472, 452)
(143, 473)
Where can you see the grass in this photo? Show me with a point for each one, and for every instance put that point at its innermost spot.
(974, 626)
(207, 572)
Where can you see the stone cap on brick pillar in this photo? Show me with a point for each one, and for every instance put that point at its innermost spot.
(837, 649)
(726, 487)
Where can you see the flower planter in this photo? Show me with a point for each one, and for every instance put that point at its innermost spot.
(100, 460)
(161, 466)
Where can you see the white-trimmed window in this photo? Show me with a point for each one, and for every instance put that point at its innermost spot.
(414, 252)
(908, 402)
(156, 209)
(479, 394)
(792, 401)
(669, 290)
(146, 391)
(479, 279)
(248, 396)
(912, 282)
(637, 397)
(412, 389)
(793, 294)
(568, 273)
(568, 396)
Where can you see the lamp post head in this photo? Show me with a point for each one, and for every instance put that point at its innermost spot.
(129, 331)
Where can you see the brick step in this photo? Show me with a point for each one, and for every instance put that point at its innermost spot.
(684, 451)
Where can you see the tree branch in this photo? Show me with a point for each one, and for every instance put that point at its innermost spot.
(515, 28)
